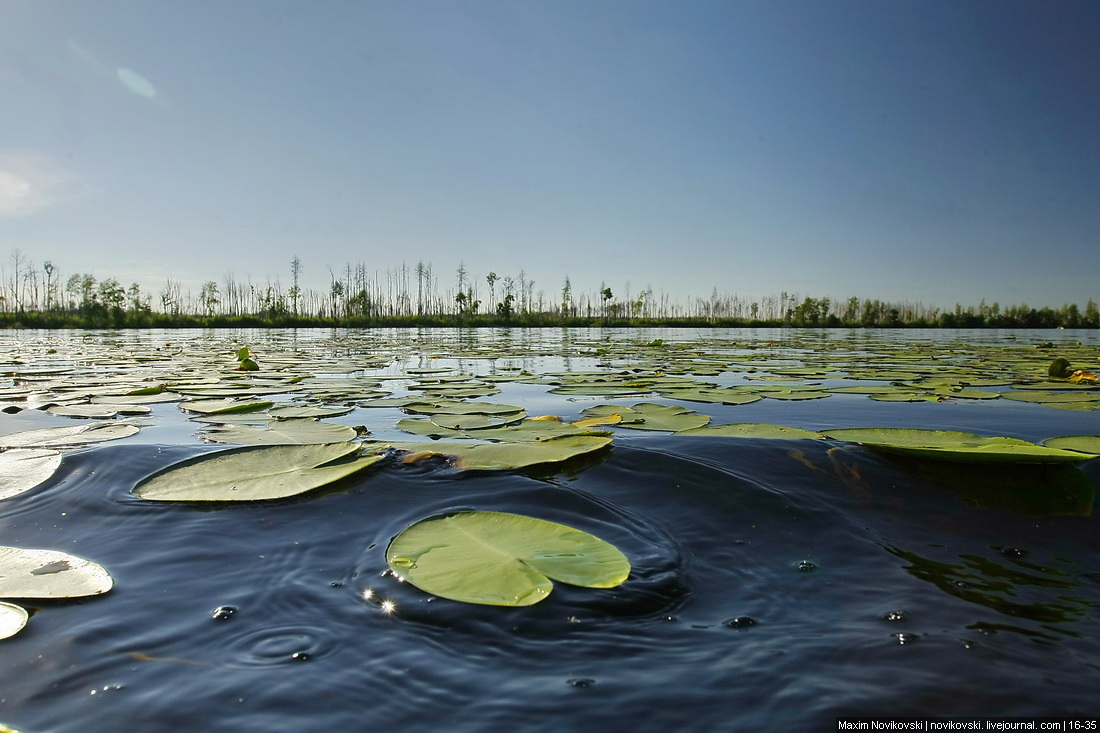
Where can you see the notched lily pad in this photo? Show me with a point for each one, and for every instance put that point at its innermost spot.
(255, 473)
(501, 559)
(30, 573)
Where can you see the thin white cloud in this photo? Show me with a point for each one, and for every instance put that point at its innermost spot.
(137, 83)
(130, 80)
(30, 182)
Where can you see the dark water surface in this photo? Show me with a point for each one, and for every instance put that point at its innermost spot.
(775, 585)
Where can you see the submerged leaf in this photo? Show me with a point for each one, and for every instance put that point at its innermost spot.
(49, 574)
(751, 430)
(255, 473)
(501, 559)
(21, 469)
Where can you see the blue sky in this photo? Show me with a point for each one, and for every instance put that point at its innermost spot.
(925, 151)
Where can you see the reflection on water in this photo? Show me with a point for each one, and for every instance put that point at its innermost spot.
(775, 583)
(987, 583)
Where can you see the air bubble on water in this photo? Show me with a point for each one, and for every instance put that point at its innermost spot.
(806, 566)
(740, 622)
(904, 639)
(581, 682)
(894, 616)
(300, 656)
(1013, 552)
(223, 613)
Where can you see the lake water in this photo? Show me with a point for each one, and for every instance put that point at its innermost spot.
(776, 584)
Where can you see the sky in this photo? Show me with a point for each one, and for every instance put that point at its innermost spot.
(926, 151)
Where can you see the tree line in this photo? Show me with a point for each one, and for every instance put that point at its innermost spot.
(41, 297)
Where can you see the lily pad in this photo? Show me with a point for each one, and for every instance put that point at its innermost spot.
(529, 429)
(498, 456)
(650, 416)
(255, 473)
(21, 469)
(283, 432)
(951, 445)
(458, 407)
(751, 430)
(1047, 397)
(1080, 443)
(99, 412)
(68, 436)
(284, 412)
(476, 422)
(228, 404)
(500, 559)
(712, 395)
(26, 573)
(12, 620)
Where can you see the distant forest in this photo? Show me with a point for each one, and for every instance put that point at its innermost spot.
(42, 297)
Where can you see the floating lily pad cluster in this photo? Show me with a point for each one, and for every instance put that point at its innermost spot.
(282, 401)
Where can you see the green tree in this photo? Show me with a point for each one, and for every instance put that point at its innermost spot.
(208, 296)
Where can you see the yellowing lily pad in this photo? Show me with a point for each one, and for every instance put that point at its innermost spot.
(255, 473)
(500, 559)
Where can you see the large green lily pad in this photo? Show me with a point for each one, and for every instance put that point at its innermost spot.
(21, 469)
(501, 559)
(951, 445)
(31, 573)
(255, 473)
